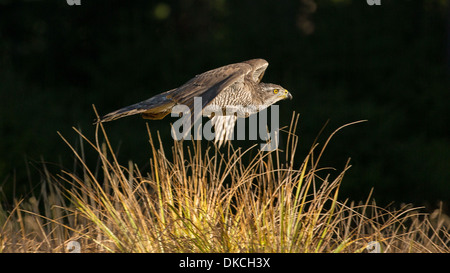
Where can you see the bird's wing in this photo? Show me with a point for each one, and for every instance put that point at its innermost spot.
(209, 84)
(259, 66)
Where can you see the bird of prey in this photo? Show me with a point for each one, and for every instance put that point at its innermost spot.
(235, 86)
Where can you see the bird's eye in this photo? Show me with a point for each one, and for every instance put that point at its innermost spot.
(275, 91)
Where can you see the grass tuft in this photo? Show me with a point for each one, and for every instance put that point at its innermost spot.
(206, 200)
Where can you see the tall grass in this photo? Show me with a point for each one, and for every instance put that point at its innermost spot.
(207, 200)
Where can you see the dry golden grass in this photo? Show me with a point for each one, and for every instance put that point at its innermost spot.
(205, 200)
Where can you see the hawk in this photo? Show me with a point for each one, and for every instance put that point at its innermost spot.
(235, 86)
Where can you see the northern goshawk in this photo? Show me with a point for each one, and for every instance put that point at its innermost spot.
(234, 88)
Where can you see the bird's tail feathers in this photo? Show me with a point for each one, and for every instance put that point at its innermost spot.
(156, 107)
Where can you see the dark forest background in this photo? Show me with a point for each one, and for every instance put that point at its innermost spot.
(342, 60)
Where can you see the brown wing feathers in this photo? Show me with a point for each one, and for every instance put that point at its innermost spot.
(206, 85)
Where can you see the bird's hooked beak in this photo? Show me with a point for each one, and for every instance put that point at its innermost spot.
(287, 95)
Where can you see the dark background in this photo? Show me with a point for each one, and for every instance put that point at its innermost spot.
(342, 60)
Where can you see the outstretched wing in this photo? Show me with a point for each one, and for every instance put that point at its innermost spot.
(209, 84)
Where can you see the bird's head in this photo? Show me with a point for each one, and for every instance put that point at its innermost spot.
(272, 93)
